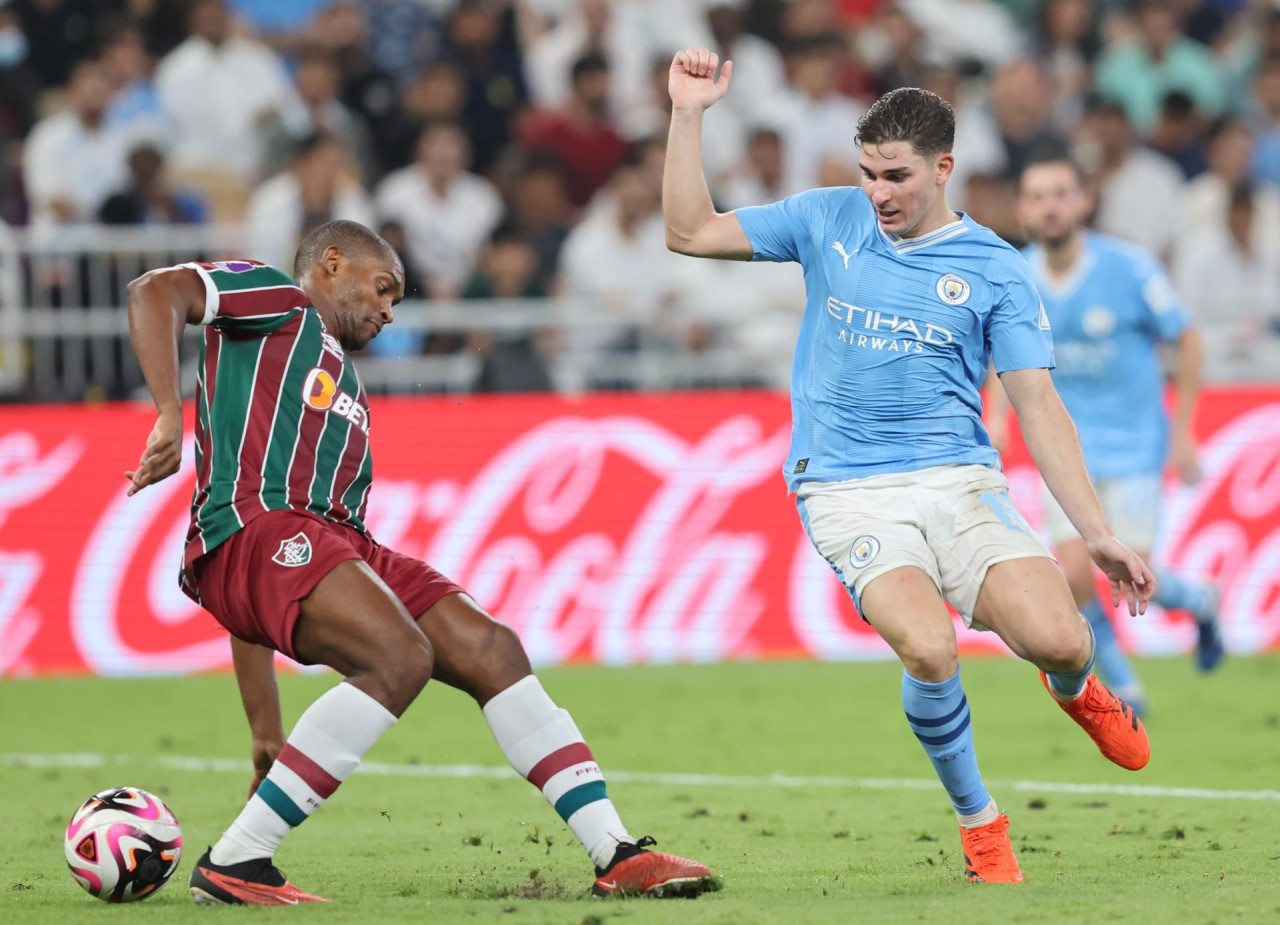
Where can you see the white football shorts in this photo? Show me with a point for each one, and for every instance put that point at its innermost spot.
(954, 522)
(1132, 506)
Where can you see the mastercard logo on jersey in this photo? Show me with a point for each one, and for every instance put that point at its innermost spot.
(321, 393)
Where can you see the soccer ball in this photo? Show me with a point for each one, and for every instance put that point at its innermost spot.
(123, 844)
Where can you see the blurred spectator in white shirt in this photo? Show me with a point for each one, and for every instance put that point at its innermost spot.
(319, 186)
(1141, 192)
(73, 160)
(759, 178)
(813, 118)
(758, 71)
(974, 30)
(216, 87)
(135, 106)
(1230, 149)
(1232, 285)
(446, 212)
(1067, 43)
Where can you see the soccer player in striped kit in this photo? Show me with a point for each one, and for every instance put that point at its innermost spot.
(278, 552)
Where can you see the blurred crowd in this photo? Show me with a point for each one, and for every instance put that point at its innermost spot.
(513, 148)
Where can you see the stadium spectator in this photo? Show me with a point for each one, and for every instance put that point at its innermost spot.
(366, 88)
(19, 82)
(1230, 161)
(149, 198)
(966, 30)
(73, 160)
(437, 95)
(588, 27)
(1264, 118)
(758, 178)
(543, 214)
(405, 36)
(59, 34)
(318, 186)
(446, 212)
(318, 111)
(892, 47)
(759, 69)
(978, 147)
(1140, 190)
(1139, 71)
(629, 222)
(134, 107)
(216, 87)
(580, 134)
(1179, 133)
(278, 22)
(813, 118)
(1022, 103)
(1067, 43)
(482, 44)
(511, 361)
(1232, 283)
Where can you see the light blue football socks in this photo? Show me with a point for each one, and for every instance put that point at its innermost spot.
(938, 713)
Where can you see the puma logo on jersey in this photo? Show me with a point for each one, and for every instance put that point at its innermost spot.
(838, 247)
(321, 393)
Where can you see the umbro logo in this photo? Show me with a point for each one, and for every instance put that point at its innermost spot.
(838, 247)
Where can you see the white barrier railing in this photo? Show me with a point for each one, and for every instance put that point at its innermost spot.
(64, 330)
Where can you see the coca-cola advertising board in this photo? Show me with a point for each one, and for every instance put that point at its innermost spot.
(614, 529)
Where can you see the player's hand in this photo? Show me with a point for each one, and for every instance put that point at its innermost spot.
(163, 455)
(1182, 454)
(692, 80)
(264, 754)
(1129, 575)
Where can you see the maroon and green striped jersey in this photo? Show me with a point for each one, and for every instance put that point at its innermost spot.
(282, 420)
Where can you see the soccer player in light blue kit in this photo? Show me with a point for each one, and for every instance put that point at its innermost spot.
(1111, 306)
(896, 480)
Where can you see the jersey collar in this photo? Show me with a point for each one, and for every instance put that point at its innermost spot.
(937, 236)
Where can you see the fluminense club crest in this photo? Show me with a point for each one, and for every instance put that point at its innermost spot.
(293, 552)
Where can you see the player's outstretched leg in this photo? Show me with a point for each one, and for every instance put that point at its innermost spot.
(485, 658)
(1028, 603)
(1200, 599)
(906, 609)
(352, 624)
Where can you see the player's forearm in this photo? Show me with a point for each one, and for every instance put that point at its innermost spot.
(156, 322)
(686, 201)
(256, 676)
(1051, 438)
(1187, 378)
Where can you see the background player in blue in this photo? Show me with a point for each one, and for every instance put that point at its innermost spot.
(1111, 306)
(896, 480)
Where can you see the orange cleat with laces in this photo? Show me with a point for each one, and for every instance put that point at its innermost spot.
(637, 872)
(1110, 722)
(250, 883)
(988, 853)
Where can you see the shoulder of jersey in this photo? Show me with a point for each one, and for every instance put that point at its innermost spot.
(1107, 246)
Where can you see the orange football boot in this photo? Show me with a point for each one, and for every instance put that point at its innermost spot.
(637, 872)
(249, 883)
(988, 853)
(1110, 722)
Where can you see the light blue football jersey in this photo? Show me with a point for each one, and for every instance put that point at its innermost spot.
(1109, 314)
(896, 337)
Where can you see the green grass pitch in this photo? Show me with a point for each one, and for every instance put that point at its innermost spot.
(405, 847)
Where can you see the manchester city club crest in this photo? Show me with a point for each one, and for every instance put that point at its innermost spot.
(293, 552)
(953, 289)
(864, 550)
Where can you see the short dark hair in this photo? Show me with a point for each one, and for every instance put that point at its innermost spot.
(1051, 153)
(910, 114)
(352, 240)
(591, 63)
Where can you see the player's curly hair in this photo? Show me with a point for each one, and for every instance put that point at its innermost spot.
(913, 115)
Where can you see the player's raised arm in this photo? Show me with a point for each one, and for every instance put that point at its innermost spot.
(693, 225)
(1051, 439)
(161, 304)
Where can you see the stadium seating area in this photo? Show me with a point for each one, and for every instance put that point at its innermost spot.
(512, 149)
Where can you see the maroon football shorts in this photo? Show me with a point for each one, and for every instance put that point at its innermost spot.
(253, 582)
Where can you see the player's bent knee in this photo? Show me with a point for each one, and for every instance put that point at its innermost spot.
(930, 660)
(399, 674)
(1064, 648)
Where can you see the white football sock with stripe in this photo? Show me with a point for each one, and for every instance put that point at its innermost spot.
(545, 747)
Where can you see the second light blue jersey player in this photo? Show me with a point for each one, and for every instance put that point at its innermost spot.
(1109, 316)
(897, 335)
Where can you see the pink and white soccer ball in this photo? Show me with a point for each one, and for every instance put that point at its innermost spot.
(123, 844)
